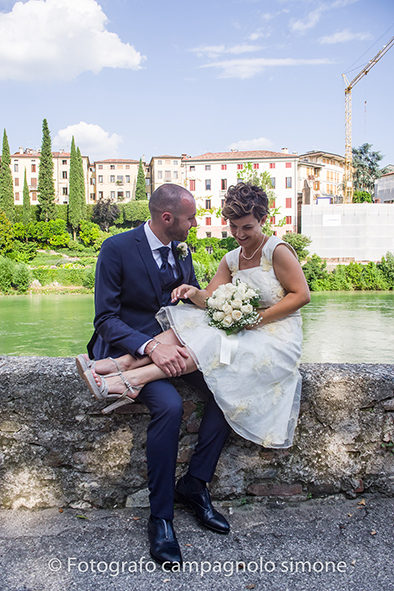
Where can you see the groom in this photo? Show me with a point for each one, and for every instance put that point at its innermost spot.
(135, 275)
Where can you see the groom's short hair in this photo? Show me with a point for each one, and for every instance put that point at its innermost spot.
(167, 197)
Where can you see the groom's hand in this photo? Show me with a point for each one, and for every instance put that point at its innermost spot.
(170, 359)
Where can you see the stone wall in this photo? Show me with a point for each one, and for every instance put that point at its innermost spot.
(57, 449)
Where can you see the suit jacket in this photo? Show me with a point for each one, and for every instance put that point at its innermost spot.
(128, 294)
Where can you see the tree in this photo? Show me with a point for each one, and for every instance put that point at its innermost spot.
(46, 185)
(362, 197)
(299, 242)
(366, 165)
(140, 192)
(6, 186)
(105, 213)
(26, 208)
(74, 198)
(249, 175)
(81, 179)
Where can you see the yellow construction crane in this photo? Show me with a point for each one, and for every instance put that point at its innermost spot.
(348, 178)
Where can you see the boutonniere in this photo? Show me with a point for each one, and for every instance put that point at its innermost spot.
(182, 250)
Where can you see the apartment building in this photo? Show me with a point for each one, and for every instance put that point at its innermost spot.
(165, 169)
(29, 160)
(209, 175)
(115, 179)
(320, 177)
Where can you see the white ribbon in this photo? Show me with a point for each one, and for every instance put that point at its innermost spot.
(228, 348)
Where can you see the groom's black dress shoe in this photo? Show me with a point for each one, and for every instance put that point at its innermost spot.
(164, 547)
(193, 493)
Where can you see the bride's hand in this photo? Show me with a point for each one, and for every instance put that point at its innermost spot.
(183, 292)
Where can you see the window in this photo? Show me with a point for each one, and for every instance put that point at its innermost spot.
(127, 194)
(175, 162)
(17, 196)
(192, 168)
(224, 222)
(33, 168)
(159, 162)
(316, 186)
(273, 182)
(207, 184)
(127, 166)
(223, 184)
(272, 219)
(272, 164)
(288, 182)
(15, 167)
(224, 166)
(175, 174)
(208, 204)
(100, 178)
(240, 166)
(159, 174)
(167, 162)
(222, 203)
(127, 178)
(100, 167)
(16, 182)
(288, 202)
(112, 194)
(207, 167)
(256, 166)
(112, 166)
(208, 234)
(273, 203)
(64, 162)
(288, 164)
(33, 182)
(119, 178)
(34, 197)
(120, 165)
(208, 221)
(120, 195)
(167, 175)
(288, 219)
(92, 196)
(64, 174)
(112, 178)
(65, 191)
(101, 194)
(192, 185)
(224, 234)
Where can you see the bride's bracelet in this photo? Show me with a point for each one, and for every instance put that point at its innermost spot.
(154, 347)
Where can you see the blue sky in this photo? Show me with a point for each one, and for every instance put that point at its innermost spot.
(131, 78)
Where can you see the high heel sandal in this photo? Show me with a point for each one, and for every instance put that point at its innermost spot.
(102, 392)
(84, 364)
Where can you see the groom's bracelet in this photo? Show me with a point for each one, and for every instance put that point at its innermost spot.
(154, 347)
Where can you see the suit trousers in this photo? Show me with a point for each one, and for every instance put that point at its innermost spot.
(165, 407)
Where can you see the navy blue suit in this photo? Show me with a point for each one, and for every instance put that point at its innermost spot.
(128, 294)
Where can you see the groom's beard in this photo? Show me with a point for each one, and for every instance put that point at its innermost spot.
(177, 232)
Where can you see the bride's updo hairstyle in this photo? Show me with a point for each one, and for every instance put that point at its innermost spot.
(244, 199)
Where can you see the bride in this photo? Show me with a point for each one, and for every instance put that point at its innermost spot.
(259, 389)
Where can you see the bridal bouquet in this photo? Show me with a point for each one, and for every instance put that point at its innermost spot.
(231, 307)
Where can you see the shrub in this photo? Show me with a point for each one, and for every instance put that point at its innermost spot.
(373, 278)
(315, 271)
(299, 242)
(23, 252)
(386, 266)
(88, 278)
(21, 277)
(44, 275)
(6, 272)
(339, 280)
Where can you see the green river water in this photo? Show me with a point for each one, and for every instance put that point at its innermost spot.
(338, 326)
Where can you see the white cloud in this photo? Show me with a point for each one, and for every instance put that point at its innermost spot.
(313, 17)
(259, 143)
(214, 51)
(247, 68)
(59, 39)
(92, 140)
(344, 36)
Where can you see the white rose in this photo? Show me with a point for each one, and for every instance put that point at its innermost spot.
(227, 321)
(247, 309)
(250, 294)
(230, 289)
(227, 309)
(218, 316)
(236, 303)
(219, 303)
(242, 287)
(211, 303)
(236, 315)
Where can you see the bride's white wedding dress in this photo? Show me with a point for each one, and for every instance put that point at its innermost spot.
(259, 391)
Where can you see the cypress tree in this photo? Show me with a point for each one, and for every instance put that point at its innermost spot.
(26, 209)
(74, 198)
(140, 192)
(81, 180)
(6, 185)
(46, 185)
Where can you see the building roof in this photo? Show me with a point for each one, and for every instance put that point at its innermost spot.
(37, 154)
(166, 156)
(387, 174)
(240, 155)
(116, 160)
(323, 153)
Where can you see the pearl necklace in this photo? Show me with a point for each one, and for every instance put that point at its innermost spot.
(259, 246)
